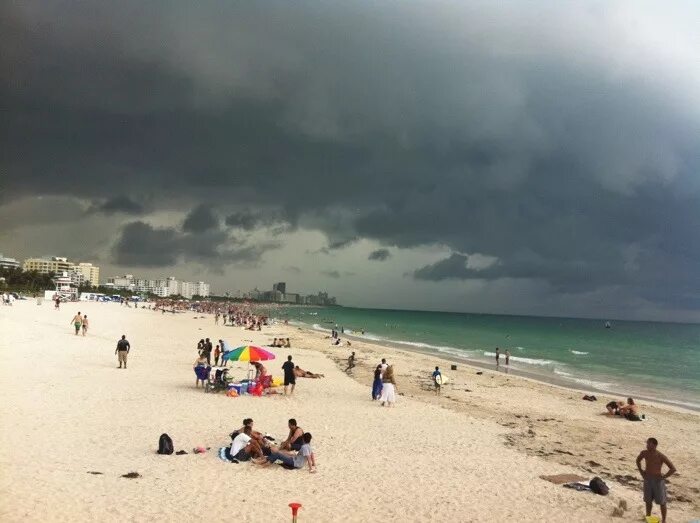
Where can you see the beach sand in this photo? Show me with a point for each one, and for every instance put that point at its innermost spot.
(467, 456)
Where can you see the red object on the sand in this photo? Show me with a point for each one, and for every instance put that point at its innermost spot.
(295, 508)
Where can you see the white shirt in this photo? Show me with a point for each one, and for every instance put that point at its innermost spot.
(383, 368)
(239, 442)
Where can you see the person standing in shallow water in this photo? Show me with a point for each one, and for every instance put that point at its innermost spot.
(498, 356)
(507, 357)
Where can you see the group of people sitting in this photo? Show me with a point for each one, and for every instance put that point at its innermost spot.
(281, 342)
(627, 410)
(247, 444)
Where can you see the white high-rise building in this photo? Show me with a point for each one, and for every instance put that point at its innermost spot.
(8, 263)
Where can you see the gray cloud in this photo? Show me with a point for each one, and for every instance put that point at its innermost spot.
(142, 245)
(118, 204)
(331, 274)
(200, 219)
(379, 255)
(554, 141)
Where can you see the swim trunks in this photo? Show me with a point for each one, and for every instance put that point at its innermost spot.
(655, 490)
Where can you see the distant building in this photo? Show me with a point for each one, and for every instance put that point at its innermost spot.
(54, 264)
(8, 263)
(80, 273)
(162, 288)
(90, 274)
(281, 287)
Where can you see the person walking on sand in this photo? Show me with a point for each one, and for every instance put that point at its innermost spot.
(122, 350)
(77, 321)
(289, 377)
(654, 481)
(388, 387)
(351, 362)
(57, 301)
(437, 380)
(85, 324)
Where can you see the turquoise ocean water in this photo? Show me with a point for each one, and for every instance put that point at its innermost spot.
(646, 359)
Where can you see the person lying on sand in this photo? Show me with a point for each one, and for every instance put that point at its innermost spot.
(297, 461)
(301, 373)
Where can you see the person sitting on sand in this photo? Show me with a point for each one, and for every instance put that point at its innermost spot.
(293, 441)
(301, 373)
(257, 436)
(243, 447)
(614, 407)
(274, 343)
(304, 457)
(287, 343)
(629, 411)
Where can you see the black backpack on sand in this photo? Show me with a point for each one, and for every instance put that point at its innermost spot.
(165, 444)
(598, 486)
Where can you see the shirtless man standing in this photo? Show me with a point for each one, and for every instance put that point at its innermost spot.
(654, 481)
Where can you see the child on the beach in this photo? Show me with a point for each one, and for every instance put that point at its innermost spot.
(217, 353)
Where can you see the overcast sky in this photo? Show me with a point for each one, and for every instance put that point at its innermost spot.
(534, 157)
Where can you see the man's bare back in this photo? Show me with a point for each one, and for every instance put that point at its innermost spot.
(654, 461)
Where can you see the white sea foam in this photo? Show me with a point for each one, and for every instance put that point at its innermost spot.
(529, 361)
(560, 372)
(578, 352)
(520, 348)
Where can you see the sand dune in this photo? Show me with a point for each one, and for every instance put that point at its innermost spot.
(67, 410)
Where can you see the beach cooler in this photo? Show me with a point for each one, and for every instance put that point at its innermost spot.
(237, 387)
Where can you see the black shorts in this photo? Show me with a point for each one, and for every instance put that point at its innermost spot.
(242, 455)
(290, 380)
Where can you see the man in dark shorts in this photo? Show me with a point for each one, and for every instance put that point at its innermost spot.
(351, 362)
(654, 481)
(289, 377)
(206, 350)
(122, 350)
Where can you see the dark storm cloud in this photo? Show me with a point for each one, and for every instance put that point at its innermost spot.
(142, 245)
(547, 137)
(379, 255)
(331, 274)
(118, 204)
(200, 219)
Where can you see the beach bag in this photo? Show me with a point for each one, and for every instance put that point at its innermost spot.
(165, 444)
(598, 486)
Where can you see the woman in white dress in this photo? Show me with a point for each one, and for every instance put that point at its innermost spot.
(388, 387)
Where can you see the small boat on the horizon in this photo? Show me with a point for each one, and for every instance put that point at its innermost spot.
(607, 325)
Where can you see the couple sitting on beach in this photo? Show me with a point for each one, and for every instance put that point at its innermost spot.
(627, 410)
(250, 445)
(281, 342)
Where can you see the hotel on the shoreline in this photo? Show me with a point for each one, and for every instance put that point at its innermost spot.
(163, 287)
(81, 273)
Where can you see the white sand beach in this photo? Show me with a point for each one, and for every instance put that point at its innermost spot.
(471, 455)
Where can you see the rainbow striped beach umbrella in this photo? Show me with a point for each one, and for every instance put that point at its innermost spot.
(248, 353)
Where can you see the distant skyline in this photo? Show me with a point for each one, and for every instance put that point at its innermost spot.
(533, 158)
